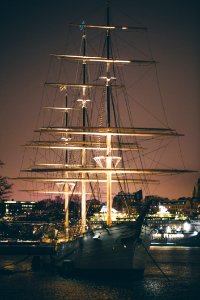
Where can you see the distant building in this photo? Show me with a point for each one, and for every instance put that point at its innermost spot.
(196, 199)
(179, 206)
(128, 202)
(182, 206)
(14, 208)
(93, 206)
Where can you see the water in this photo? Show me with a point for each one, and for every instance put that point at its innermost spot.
(180, 265)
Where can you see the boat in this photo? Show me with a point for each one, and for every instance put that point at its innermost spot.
(176, 233)
(191, 239)
(90, 148)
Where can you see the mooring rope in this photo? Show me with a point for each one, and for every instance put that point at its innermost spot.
(156, 264)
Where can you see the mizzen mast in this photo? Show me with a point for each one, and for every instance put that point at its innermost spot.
(66, 184)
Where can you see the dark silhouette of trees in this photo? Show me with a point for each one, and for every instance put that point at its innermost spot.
(5, 186)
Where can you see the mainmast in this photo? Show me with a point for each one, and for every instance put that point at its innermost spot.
(108, 87)
(108, 138)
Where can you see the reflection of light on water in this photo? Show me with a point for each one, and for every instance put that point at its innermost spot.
(180, 264)
(154, 288)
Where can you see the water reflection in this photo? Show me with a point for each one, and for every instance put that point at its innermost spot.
(181, 265)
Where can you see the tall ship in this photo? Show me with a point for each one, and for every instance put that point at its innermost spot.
(90, 147)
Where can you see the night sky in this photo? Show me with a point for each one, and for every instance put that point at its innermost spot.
(31, 30)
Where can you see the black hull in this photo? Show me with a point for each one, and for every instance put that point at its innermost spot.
(108, 252)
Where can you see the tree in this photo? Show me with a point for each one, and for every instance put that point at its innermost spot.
(5, 188)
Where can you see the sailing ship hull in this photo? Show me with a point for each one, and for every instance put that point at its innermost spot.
(117, 250)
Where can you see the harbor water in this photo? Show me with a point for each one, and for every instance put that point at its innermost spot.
(171, 273)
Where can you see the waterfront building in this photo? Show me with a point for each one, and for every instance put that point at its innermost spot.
(14, 208)
(183, 206)
(128, 202)
(93, 206)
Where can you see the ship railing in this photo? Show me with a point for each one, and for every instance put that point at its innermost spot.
(75, 231)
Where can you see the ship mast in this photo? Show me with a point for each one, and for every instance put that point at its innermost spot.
(108, 137)
(66, 185)
(84, 102)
